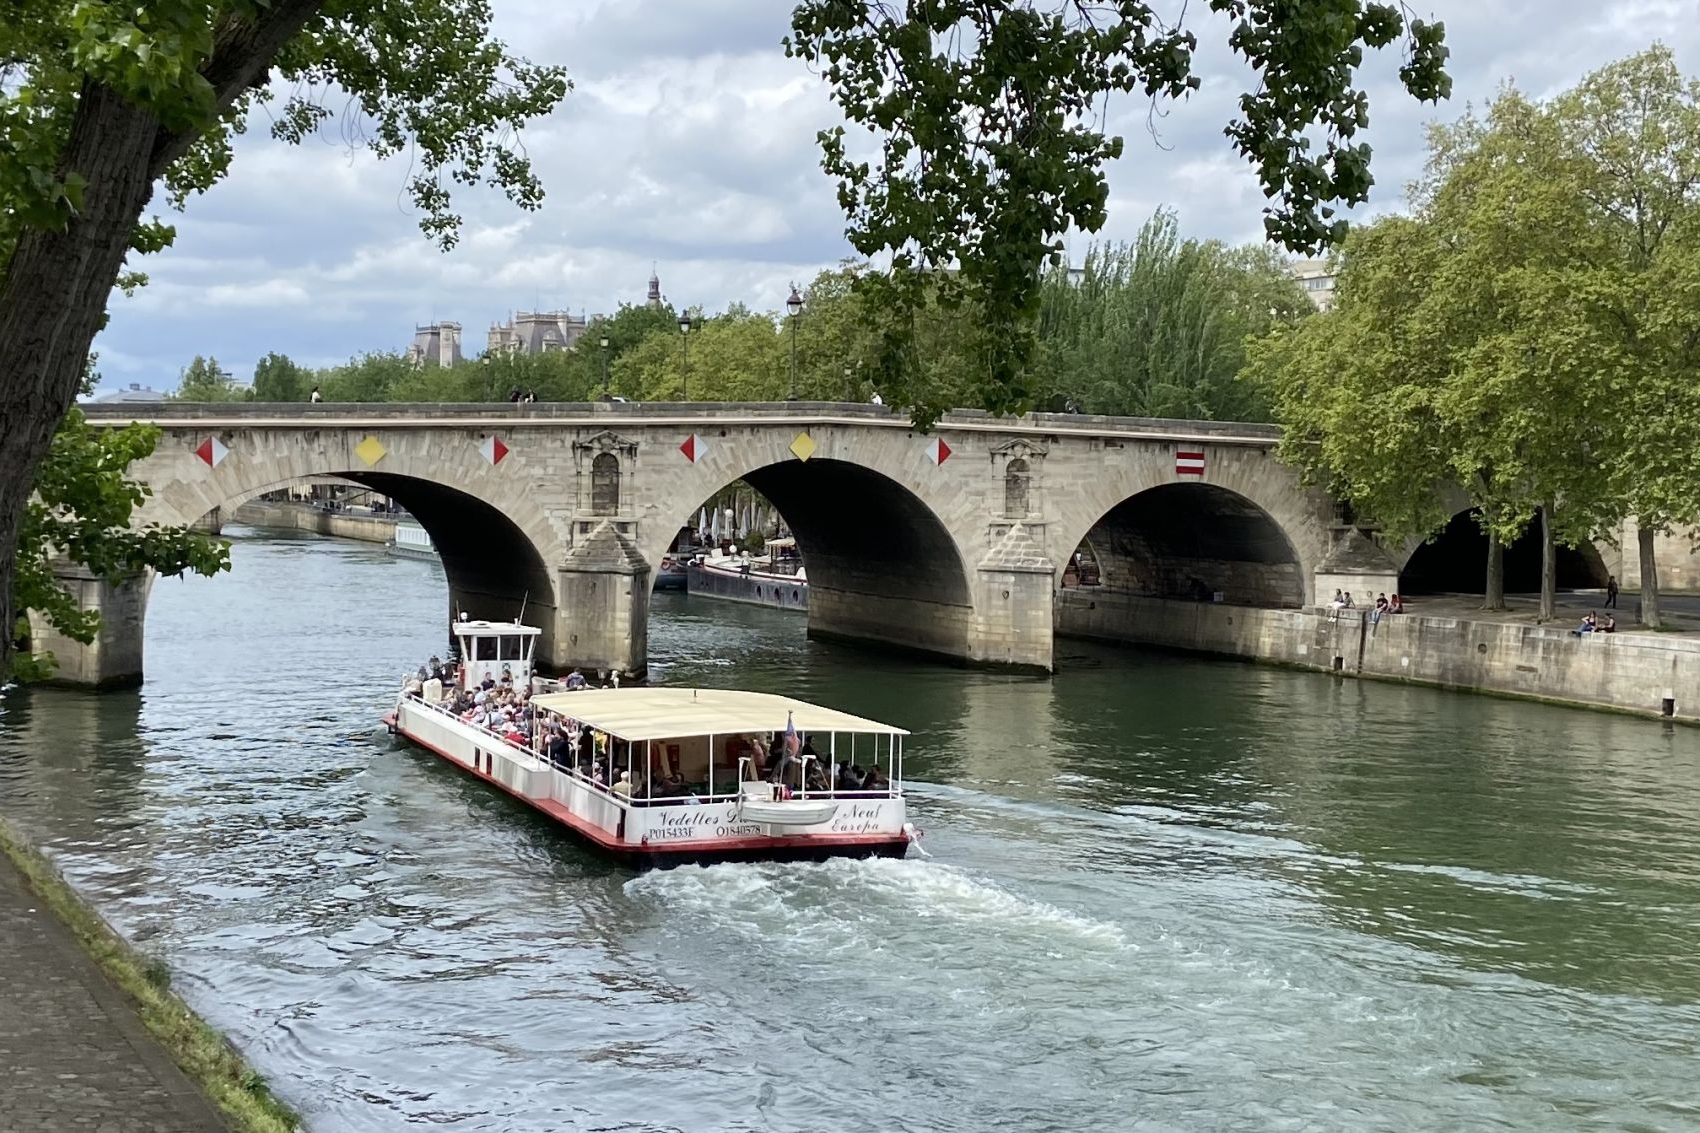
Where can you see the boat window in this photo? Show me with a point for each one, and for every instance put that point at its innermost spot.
(1015, 479)
(487, 649)
(510, 648)
(526, 644)
(605, 484)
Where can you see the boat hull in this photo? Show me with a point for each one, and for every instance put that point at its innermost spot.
(656, 834)
(754, 589)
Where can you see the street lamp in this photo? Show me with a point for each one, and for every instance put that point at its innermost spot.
(685, 337)
(849, 388)
(795, 306)
(604, 365)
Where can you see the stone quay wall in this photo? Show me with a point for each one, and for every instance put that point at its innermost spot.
(1643, 673)
(305, 517)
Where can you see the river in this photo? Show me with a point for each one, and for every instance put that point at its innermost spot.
(1158, 893)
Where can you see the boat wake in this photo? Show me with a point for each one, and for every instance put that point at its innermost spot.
(862, 904)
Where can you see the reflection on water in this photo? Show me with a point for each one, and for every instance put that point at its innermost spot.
(1162, 894)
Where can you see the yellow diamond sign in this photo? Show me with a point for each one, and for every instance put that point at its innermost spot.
(370, 450)
(803, 447)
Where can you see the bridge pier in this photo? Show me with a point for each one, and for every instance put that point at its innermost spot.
(602, 603)
(113, 660)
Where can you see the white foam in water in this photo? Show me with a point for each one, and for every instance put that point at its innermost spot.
(854, 904)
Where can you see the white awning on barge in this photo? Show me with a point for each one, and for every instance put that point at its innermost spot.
(670, 713)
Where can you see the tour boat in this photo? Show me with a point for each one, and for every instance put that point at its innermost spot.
(775, 578)
(711, 807)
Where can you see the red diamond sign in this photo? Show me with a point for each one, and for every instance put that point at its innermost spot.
(493, 450)
(694, 448)
(212, 451)
(937, 451)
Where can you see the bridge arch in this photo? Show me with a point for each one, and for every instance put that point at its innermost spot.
(1455, 561)
(1255, 538)
(882, 565)
(491, 536)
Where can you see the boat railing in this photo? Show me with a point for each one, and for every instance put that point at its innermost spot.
(605, 789)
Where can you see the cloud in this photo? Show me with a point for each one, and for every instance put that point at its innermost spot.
(689, 143)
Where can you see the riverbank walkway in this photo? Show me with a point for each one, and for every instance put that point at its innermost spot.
(74, 1056)
(1681, 612)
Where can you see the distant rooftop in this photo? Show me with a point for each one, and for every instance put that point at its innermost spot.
(132, 392)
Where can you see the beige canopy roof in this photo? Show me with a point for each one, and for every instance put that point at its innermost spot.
(669, 713)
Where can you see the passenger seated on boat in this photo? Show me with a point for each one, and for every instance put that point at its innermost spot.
(875, 781)
(817, 777)
(622, 786)
(849, 777)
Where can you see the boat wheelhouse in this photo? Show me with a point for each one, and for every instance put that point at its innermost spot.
(665, 776)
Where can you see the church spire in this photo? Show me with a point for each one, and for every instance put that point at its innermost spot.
(654, 297)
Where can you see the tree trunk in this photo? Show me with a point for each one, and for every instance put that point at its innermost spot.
(53, 301)
(1649, 577)
(1494, 595)
(1549, 569)
(56, 284)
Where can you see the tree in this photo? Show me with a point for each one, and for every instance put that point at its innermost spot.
(1633, 134)
(276, 378)
(1460, 351)
(102, 102)
(989, 148)
(81, 510)
(205, 380)
(1158, 328)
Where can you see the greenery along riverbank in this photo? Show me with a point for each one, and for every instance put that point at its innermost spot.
(203, 1054)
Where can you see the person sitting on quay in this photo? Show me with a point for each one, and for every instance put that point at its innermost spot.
(1395, 605)
(1381, 607)
(1609, 625)
(1589, 625)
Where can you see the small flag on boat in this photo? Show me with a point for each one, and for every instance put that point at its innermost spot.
(493, 450)
(792, 744)
(1189, 463)
(212, 451)
(937, 451)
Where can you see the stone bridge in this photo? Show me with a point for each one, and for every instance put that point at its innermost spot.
(951, 543)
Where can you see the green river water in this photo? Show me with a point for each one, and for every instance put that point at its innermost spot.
(1156, 893)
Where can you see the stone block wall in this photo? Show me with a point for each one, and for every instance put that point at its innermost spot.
(114, 659)
(1630, 672)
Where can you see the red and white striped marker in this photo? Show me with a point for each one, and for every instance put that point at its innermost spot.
(694, 448)
(212, 451)
(937, 451)
(493, 450)
(1189, 463)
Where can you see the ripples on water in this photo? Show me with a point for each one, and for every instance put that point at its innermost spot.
(1162, 894)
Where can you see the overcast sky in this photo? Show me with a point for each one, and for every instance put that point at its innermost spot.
(688, 143)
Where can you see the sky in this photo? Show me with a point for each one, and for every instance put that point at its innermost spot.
(688, 146)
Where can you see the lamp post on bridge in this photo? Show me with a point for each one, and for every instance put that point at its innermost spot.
(849, 386)
(605, 365)
(685, 338)
(794, 305)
